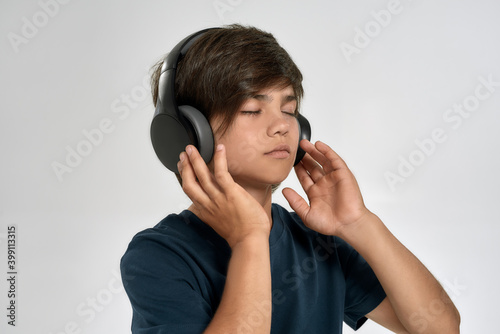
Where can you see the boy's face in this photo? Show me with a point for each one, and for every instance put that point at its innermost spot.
(262, 141)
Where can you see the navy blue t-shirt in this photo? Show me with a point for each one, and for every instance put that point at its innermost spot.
(174, 275)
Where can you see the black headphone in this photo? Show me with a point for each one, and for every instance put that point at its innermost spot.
(174, 127)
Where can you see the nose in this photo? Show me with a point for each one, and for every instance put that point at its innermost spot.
(279, 125)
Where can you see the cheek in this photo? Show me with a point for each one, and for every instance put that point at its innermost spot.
(294, 136)
(242, 142)
(240, 155)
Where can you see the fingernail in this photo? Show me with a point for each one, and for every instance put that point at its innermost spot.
(220, 147)
(182, 156)
(189, 150)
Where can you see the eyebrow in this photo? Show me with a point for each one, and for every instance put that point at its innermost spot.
(267, 98)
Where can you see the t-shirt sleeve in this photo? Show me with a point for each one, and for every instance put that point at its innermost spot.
(162, 295)
(363, 290)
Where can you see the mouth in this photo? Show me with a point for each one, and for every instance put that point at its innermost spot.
(279, 152)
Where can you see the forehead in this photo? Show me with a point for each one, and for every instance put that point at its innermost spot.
(269, 94)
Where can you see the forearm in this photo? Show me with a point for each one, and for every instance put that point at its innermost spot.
(246, 304)
(418, 300)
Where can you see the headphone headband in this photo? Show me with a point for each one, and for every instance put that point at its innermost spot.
(179, 51)
(166, 84)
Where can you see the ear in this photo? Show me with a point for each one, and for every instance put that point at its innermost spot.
(199, 131)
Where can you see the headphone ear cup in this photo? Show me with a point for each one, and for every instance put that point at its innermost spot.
(199, 131)
(304, 133)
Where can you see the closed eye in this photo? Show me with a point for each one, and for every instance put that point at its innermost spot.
(251, 112)
(293, 114)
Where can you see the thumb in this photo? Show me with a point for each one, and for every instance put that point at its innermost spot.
(297, 203)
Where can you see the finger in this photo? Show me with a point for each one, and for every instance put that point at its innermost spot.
(335, 160)
(311, 149)
(205, 177)
(221, 172)
(190, 184)
(313, 168)
(297, 203)
(328, 158)
(304, 178)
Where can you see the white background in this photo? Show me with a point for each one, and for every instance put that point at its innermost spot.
(70, 68)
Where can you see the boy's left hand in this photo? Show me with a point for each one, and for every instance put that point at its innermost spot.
(335, 201)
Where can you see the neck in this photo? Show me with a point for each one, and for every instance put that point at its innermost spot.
(263, 195)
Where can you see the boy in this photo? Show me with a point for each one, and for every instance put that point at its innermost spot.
(233, 262)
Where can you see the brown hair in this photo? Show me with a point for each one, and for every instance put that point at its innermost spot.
(227, 66)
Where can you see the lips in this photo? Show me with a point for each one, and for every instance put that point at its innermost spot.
(281, 151)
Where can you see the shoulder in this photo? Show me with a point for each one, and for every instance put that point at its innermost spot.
(293, 222)
(290, 219)
(170, 231)
(327, 246)
(184, 228)
(174, 241)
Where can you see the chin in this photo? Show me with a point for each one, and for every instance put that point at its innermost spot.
(262, 176)
(275, 176)
(261, 171)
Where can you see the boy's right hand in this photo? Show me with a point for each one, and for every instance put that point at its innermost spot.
(219, 201)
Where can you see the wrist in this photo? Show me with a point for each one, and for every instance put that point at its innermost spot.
(252, 241)
(365, 226)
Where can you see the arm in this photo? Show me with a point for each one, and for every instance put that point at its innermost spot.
(246, 301)
(242, 222)
(336, 208)
(416, 298)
